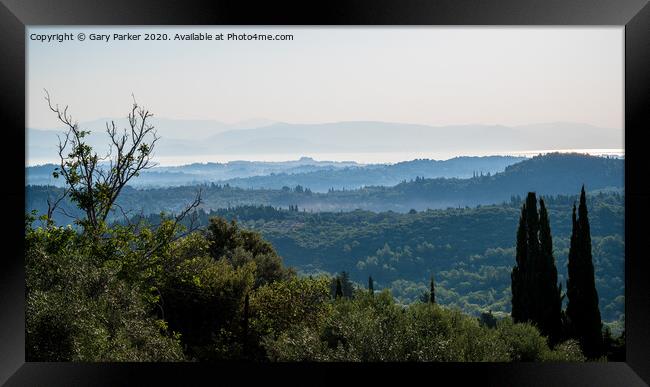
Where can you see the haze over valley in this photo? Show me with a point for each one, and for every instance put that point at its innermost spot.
(186, 141)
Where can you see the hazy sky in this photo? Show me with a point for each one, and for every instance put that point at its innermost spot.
(426, 75)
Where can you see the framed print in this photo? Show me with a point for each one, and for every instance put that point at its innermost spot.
(447, 188)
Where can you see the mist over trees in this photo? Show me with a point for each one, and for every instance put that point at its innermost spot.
(192, 285)
(558, 174)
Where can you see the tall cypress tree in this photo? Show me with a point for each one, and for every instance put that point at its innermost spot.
(535, 292)
(346, 285)
(582, 311)
(371, 286)
(551, 299)
(339, 289)
(432, 292)
(531, 274)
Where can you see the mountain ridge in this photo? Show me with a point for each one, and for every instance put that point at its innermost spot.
(360, 137)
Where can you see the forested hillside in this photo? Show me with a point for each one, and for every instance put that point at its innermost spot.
(470, 251)
(550, 174)
(319, 176)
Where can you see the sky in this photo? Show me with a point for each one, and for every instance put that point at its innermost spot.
(422, 75)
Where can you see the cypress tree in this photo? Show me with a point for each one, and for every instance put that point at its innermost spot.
(371, 287)
(572, 276)
(550, 302)
(531, 274)
(339, 289)
(432, 292)
(535, 292)
(582, 311)
(346, 285)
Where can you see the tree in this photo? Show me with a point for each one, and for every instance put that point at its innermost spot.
(535, 294)
(239, 246)
(347, 288)
(582, 311)
(550, 300)
(371, 287)
(487, 319)
(432, 292)
(614, 348)
(519, 291)
(339, 291)
(346, 284)
(94, 183)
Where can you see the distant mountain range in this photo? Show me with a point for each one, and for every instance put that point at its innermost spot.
(204, 137)
(319, 176)
(549, 174)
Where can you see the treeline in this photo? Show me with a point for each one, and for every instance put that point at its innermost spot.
(319, 176)
(555, 173)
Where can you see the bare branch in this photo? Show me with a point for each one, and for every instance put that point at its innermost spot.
(177, 220)
(52, 205)
(64, 212)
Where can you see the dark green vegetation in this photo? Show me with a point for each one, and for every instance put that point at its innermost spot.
(582, 309)
(471, 251)
(536, 297)
(535, 293)
(117, 301)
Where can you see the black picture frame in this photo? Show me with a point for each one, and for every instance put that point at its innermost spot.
(15, 15)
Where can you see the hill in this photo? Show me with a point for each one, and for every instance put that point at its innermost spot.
(470, 251)
(319, 176)
(549, 174)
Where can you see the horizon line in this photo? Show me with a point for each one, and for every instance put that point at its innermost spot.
(595, 152)
(276, 122)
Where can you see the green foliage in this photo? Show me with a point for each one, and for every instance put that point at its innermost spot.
(568, 351)
(88, 310)
(278, 306)
(81, 307)
(203, 299)
(523, 340)
(341, 286)
(487, 319)
(471, 251)
(240, 247)
(376, 329)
